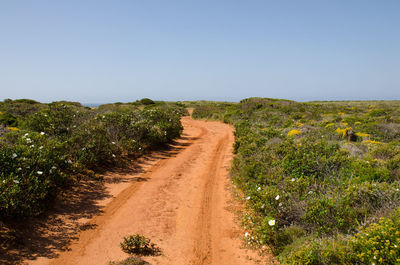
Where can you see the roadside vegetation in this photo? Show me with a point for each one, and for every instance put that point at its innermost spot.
(321, 179)
(45, 148)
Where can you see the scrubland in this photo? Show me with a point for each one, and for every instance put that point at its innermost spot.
(45, 148)
(321, 179)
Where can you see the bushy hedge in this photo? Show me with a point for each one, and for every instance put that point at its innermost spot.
(52, 147)
(316, 175)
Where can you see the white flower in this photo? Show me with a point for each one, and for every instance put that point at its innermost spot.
(140, 148)
(32, 146)
(248, 198)
(113, 155)
(259, 188)
(397, 189)
(271, 222)
(42, 133)
(16, 181)
(395, 246)
(246, 234)
(113, 142)
(293, 179)
(277, 197)
(14, 155)
(26, 134)
(280, 204)
(53, 167)
(374, 257)
(19, 169)
(39, 172)
(50, 171)
(70, 161)
(41, 147)
(310, 192)
(262, 206)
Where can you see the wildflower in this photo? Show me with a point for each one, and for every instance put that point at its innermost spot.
(28, 140)
(19, 169)
(113, 142)
(53, 167)
(280, 204)
(16, 181)
(246, 234)
(39, 172)
(70, 161)
(32, 146)
(271, 222)
(42, 133)
(371, 142)
(259, 188)
(113, 155)
(50, 171)
(248, 198)
(293, 132)
(41, 147)
(14, 155)
(13, 128)
(293, 179)
(277, 197)
(26, 134)
(310, 192)
(140, 148)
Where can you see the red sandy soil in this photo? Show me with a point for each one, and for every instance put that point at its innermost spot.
(180, 199)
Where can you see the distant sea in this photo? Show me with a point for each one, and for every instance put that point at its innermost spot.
(92, 105)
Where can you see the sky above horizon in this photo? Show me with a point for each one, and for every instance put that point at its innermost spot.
(107, 51)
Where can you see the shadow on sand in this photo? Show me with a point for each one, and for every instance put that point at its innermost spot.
(44, 235)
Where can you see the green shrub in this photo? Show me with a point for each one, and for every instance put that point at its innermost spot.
(139, 245)
(130, 261)
(8, 119)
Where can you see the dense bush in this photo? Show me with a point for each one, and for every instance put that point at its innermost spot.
(63, 141)
(139, 245)
(317, 176)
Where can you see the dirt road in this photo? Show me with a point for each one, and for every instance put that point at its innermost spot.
(181, 204)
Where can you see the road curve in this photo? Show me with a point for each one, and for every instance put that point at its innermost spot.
(182, 204)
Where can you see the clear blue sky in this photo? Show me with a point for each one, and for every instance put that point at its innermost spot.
(107, 51)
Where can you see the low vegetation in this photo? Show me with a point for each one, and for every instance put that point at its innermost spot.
(47, 147)
(321, 179)
(139, 245)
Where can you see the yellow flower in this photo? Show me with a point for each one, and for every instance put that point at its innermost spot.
(357, 122)
(343, 131)
(329, 125)
(372, 142)
(362, 134)
(299, 124)
(13, 128)
(293, 132)
(341, 113)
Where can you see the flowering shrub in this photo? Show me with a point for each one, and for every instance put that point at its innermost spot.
(62, 141)
(318, 190)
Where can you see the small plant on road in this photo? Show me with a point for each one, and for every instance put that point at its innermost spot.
(139, 245)
(130, 261)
